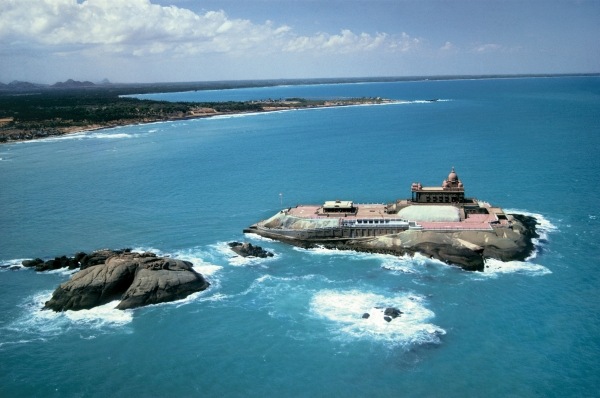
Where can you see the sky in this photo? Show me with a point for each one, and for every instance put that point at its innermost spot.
(144, 41)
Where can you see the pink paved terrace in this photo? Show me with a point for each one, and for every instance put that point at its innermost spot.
(442, 208)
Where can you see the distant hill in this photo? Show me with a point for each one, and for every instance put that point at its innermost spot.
(17, 85)
(73, 84)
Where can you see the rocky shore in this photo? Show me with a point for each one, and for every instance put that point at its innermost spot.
(466, 249)
(135, 279)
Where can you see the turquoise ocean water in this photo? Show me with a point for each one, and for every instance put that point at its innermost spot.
(291, 326)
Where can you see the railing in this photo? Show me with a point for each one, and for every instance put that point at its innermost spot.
(457, 228)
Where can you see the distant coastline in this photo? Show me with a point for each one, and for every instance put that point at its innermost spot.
(31, 111)
(130, 89)
(51, 116)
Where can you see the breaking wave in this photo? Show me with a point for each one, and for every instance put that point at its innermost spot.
(494, 267)
(346, 310)
(544, 228)
(14, 264)
(223, 249)
(36, 324)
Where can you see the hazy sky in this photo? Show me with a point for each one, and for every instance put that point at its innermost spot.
(192, 40)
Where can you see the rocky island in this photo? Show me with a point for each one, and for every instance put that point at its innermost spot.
(439, 222)
(136, 279)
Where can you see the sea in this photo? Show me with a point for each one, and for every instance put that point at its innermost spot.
(292, 325)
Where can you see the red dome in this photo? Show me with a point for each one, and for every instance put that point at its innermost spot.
(452, 177)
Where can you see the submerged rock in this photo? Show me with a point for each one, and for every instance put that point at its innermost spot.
(389, 314)
(80, 260)
(136, 279)
(55, 263)
(392, 312)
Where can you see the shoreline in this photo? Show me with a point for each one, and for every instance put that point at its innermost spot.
(47, 132)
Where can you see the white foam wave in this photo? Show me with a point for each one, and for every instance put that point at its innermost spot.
(207, 269)
(322, 251)
(194, 256)
(237, 115)
(38, 322)
(141, 249)
(86, 135)
(346, 308)
(215, 297)
(271, 286)
(102, 315)
(258, 237)
(223, 249)
(204, 295)
(394, 102)
(421, 102)
(544, 227)
(112, 136)
(493, 268)
(14, 264)
(21, 341)
(407, 264)
(61, 271)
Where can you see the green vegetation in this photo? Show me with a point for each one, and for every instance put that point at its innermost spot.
(46, 112)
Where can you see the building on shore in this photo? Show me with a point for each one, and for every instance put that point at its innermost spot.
(451, 191)
(440, 209)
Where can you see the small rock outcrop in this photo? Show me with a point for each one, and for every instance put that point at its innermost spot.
(136, 279)
(249, 250)
(392, 312)
(389, 313)
(81, 260)
(55, 263)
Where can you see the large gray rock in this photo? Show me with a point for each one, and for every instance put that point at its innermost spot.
(466, 249)
(160, 281)
(136, 279)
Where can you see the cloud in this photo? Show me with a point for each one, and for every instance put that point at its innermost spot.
(140, 28)
(448, 46)
(496, 48)
(347, 42)
(486, 48)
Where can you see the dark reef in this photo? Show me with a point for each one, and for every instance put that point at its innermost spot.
(249, 250)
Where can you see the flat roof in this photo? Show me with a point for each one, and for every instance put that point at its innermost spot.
(338, 204)
(439, 189)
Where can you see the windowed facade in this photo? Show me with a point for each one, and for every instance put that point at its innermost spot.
(451, 191)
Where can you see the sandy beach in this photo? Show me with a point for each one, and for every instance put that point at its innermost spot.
(42, 130)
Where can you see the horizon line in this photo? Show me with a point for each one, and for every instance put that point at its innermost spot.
(106, 82)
